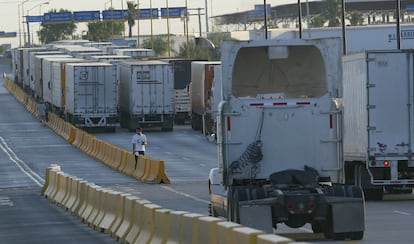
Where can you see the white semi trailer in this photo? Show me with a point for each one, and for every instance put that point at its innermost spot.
(378, 121)
(279, 139)
(146, 91)
(91, 95)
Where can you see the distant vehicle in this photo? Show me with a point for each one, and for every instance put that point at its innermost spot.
(146, 94)
(378, 121)
(201, 94)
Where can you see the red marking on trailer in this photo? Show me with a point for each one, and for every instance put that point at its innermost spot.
(280, 104)
(228, 124)
(256, 104)
(330, 121)
(302, 103)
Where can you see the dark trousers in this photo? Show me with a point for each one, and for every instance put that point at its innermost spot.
(136, 157)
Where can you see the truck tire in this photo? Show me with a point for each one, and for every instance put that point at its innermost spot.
(358, 235)
(317, 227)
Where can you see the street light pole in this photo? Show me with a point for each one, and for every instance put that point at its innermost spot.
(27, 22)
(186, 28)
(168, 30)
(20, 12)
(206, 8)
(152, 36)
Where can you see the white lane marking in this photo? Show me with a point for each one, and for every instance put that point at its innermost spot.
(5, 201)
(185, 194)
(20, 163)
(400, 212)
(47, 146)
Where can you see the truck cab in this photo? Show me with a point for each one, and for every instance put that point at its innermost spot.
(279, 134)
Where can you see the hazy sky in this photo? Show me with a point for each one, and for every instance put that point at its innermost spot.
(9, 12)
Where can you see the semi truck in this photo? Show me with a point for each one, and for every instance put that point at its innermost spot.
(146, 91)
(91, 95)
(202, 78)
(182, 76)
(53, 76)
(378, 121)
(279, 139)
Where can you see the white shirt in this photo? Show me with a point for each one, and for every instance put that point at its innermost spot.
(139, 141)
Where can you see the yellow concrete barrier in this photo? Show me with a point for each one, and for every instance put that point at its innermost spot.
(73, 192)
(147, 228)
(52, 185)
(176, 228)
(78, 138)
(72, 134)
(70, 179)
(190, 227)
(80, 197)
(272, 239)
(155, 173)
(98, 149)
(127, 219)
(117, 157)
(130, 164)
(142, 164)
(245, 235)
(161, 226)
(103, 207)
(97, 205)
(47, 176)
(63, 183)
(207, 229)
(119, 214)
(91, 197)
(124, 160)
(102, 154)
(138, 221)
(110, 211)
(225, 232)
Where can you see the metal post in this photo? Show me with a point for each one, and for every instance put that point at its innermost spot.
(152, 36)
(168, 30)
(199, 21)
(186, 28)
(28, 34)
(112, 21)
(344, 48)
(18, 22)
(398, 10)
(138, 17)
(205, 3)
(300, 19)
(265, 17)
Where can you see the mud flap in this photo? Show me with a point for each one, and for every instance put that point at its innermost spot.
(348, 214)
(248, 215)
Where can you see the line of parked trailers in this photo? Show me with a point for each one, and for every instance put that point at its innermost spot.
(101, 85)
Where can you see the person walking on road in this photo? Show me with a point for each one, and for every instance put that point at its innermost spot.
(139, 140)
(41, 111)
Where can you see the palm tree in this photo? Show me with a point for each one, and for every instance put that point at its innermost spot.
(132, 14)
(332, 12)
